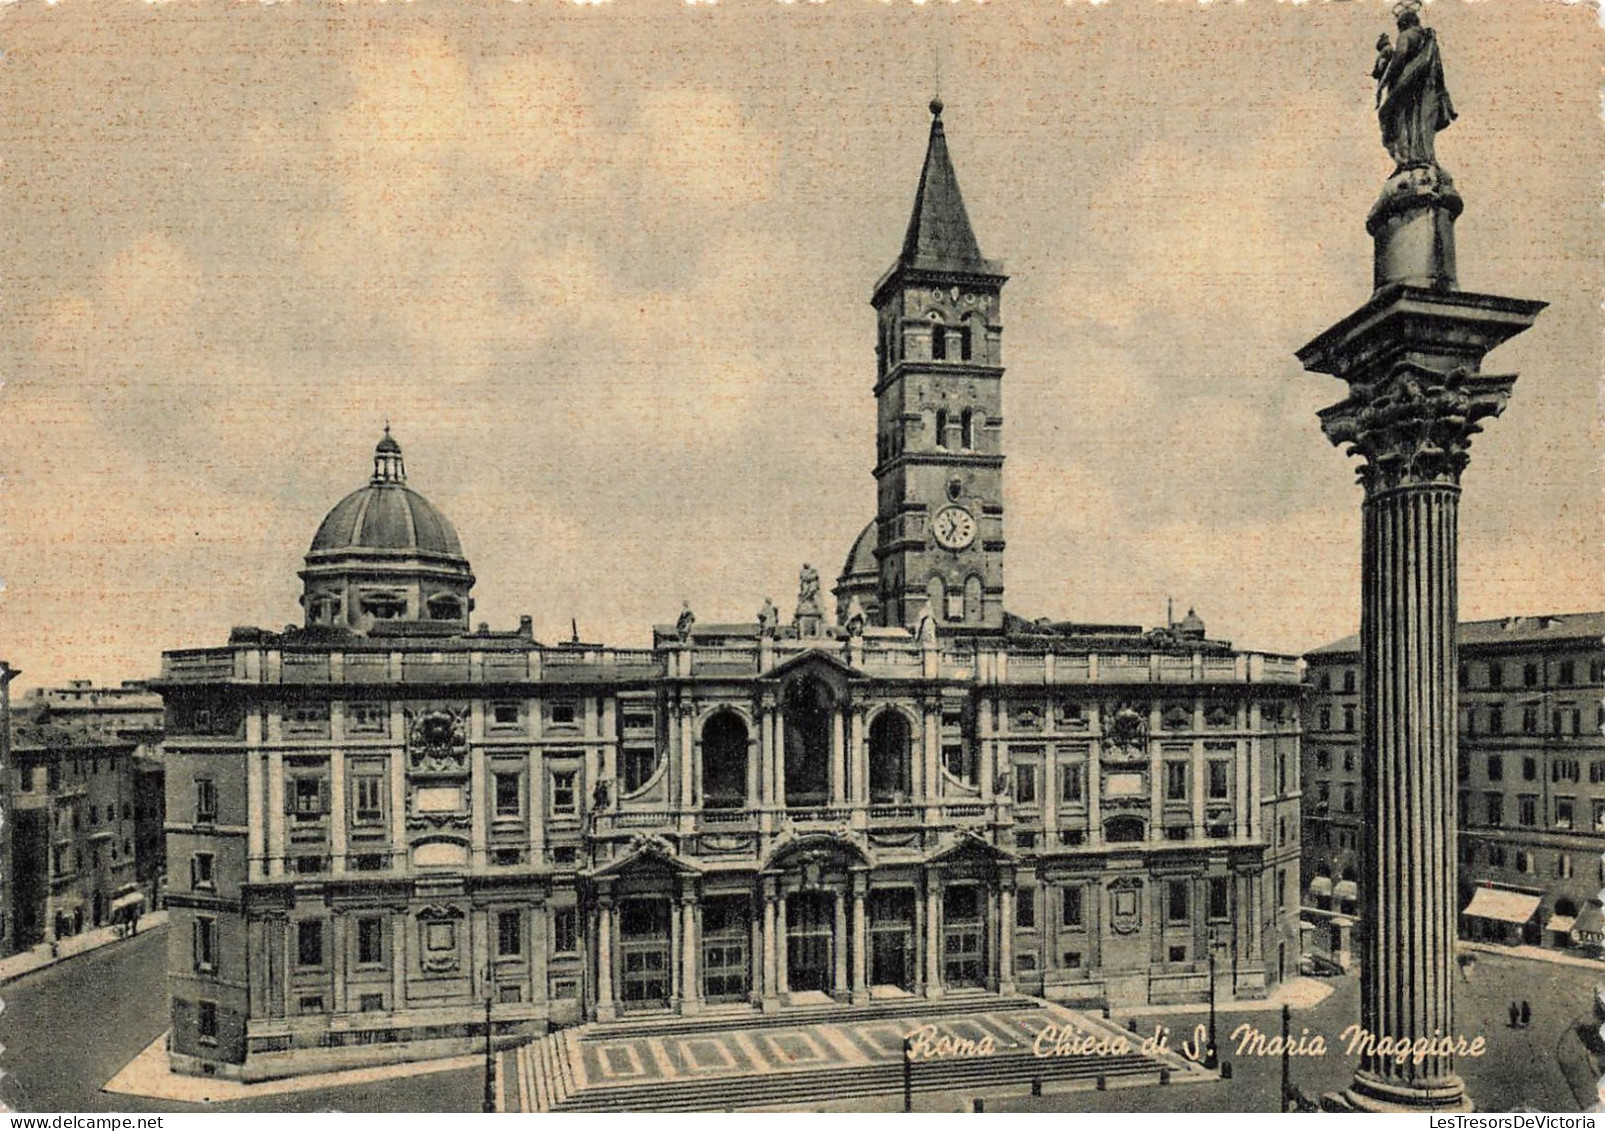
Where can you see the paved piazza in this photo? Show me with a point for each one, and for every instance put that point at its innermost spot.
(578, 1069)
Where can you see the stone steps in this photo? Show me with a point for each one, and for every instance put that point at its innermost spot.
(953, 1004)
(793, 1089)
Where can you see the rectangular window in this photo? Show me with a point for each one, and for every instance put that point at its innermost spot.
(509, 795)
(504, 715)
(1176, 901)
(1564, 807)
(309, 797)
(307, 718)
(1529, 720)
(1495, 807)
(1527, 810)
(1175, 781)
(1025, 783)
(200, 871)
(308, 1004)
(565, 930)
(206, 1021)
(1496, 675)
(369, 795)
(367, 718)
(371, 1003)
(1326, 718)
(1025, 910)
(1070, 783)
(1220, 779)
(1178, 953)
(638, 763)
(203, 941)
(1348, 719)
(1070, 912)
(1529, 675)
(1496, 720)
(370, 941)
(1568, 673)
(1219, 897)
(1496, 768)
(563, 712)
(565, 801)
(509, 934)
(1529, 769)
(205, 800)
(309, 942)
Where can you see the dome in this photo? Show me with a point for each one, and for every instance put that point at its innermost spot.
(861, 558)
(387, 516)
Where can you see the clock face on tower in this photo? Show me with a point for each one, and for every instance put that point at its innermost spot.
(954, 528)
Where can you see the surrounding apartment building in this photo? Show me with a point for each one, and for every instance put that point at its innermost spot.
(1531, 771)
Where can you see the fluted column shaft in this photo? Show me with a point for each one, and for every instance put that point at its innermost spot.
(1407, 647)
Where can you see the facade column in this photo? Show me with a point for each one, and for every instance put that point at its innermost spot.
(605, 1009)
(933, 935)
(860, 990)
(338, 945)
(771, 984)
(690, 950)
(1006, 897)
(838, 758)
(256, 812)
(932, 773)
(1411, 356)
(275, 813)
(339, 808)
(777, 765)
(538, 934)
(838, 942)
(399, 952)
(857, 760)
(782, 947)
(1094, 791)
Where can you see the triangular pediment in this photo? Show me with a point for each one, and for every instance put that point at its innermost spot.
(967, 845)
(646, 853)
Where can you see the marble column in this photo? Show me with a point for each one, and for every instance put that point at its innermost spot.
(605, 1009)
(782, 947)
(1006, 897)
(860, 988)
(690, 952)
(933, 936)
(838, 944)
(771, 984)
(1411, 356)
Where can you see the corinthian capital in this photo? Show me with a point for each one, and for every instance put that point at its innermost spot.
(1413, 426)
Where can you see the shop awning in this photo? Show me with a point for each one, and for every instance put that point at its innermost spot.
(1346, 889)
(132, 899)
(1321, 885)
(1505, 906)
(1590, 925)
(1561, 924)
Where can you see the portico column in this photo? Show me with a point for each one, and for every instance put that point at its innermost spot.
(605, 1010)
(782, 946)
(933, 949)
(690, 947)
(771, 985)
(777, 792)
(860, 991)
(857, 761)
(838, 942)
(838, 758)
(1006, 897)
(1411, 356)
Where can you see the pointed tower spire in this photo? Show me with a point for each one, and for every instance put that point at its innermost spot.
(939, 235)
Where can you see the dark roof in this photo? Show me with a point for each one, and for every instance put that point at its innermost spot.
(386, 516)
(939, 235)
(861, 558)
(1513, 631)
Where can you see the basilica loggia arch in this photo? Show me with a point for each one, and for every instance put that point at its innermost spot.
(818, 921)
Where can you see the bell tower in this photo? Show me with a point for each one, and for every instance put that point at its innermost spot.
(939, 426)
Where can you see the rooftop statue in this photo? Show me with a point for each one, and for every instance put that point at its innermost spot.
(1412, 101)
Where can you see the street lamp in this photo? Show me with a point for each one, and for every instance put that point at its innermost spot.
(490, 1060)
(1212, 1058)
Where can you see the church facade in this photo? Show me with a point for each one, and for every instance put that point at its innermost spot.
(387, 830)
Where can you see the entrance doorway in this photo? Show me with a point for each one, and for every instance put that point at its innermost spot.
(726, 941)
(644, 949)
(963, 937)
(809, 939)
(891, 937)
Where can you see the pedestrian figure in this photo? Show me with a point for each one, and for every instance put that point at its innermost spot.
(1515, 1016)
(1526, 1015)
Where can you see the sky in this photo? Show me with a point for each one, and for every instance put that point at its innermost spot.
(606, 270)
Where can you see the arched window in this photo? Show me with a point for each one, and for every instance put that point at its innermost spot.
(936, 591)
(938, 342)
(889, 759)
(724, 762)
(808, 707)
(964, 343)
(967, 430)
(972, 599)
(941, 427)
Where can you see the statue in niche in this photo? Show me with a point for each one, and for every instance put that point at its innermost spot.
(1412, 100)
